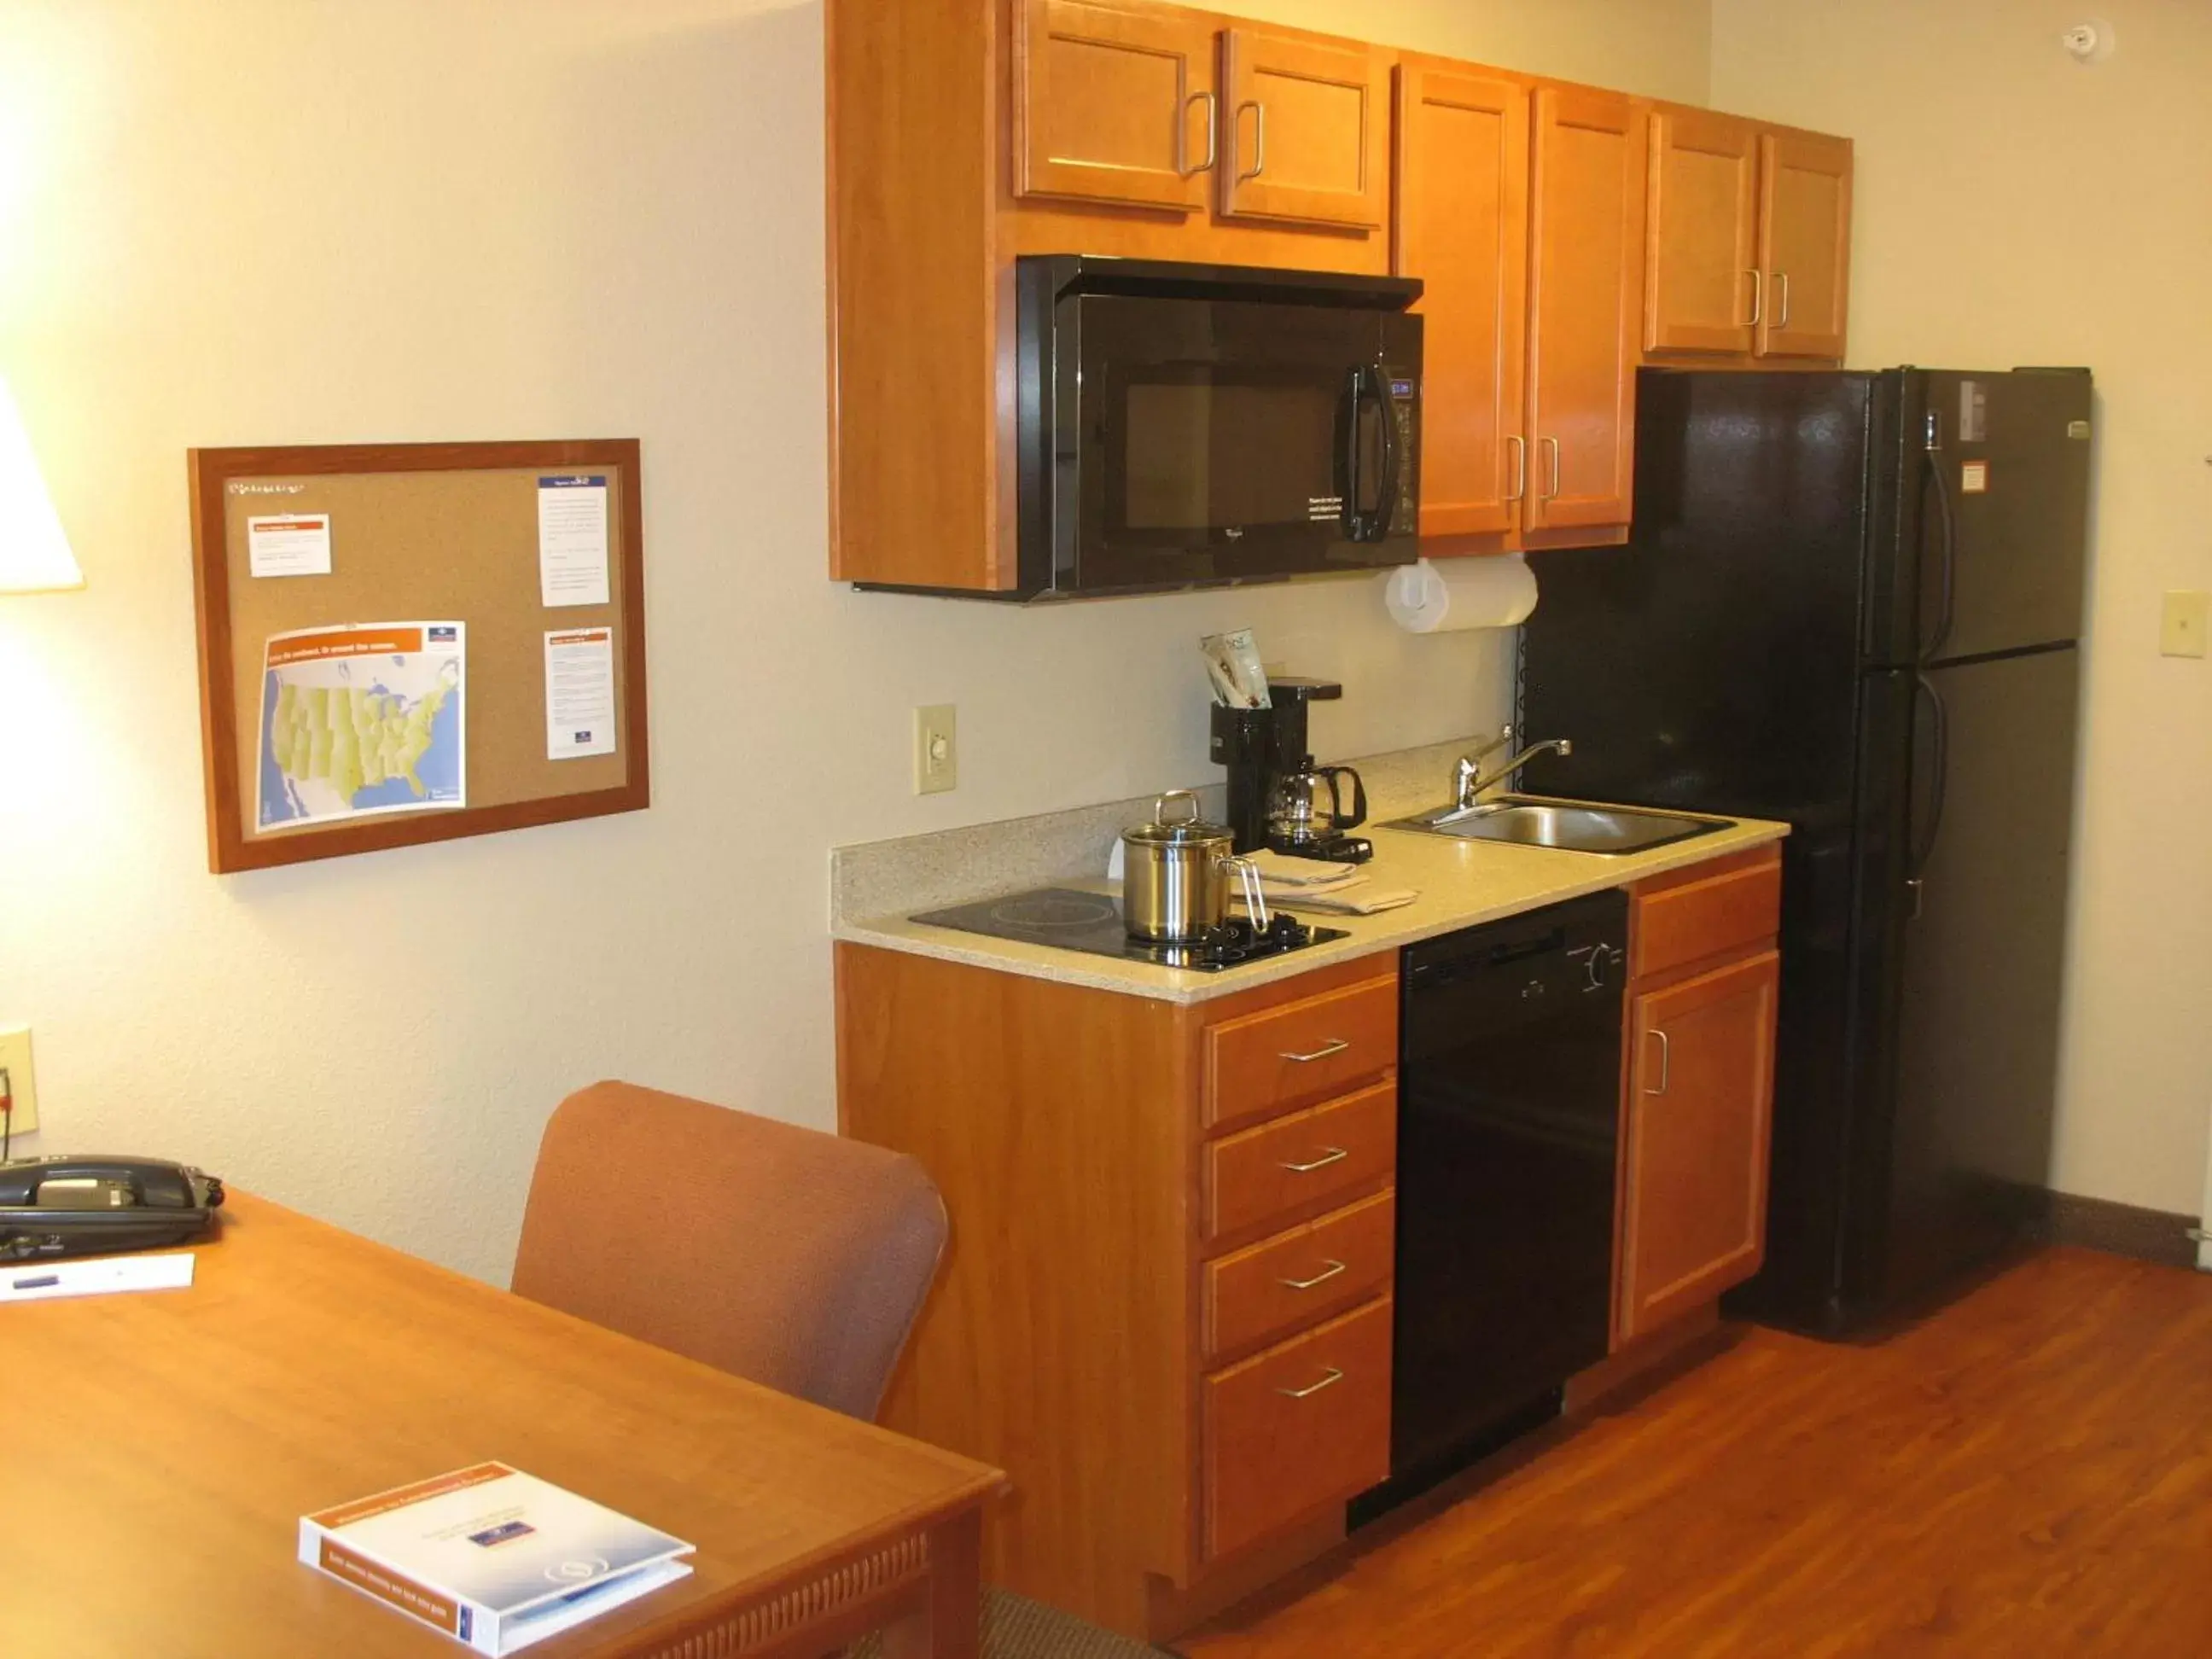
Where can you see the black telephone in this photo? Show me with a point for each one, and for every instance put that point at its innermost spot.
(58, 1206)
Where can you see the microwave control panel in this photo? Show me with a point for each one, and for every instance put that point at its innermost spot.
(1405, 414)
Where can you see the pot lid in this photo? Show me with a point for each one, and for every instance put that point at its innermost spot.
(1189, 830)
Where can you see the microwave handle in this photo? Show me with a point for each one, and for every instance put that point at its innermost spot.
(1361, 524)
(1352, 520)
(1386, 499)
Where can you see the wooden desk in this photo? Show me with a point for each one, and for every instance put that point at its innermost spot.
(164, 1445)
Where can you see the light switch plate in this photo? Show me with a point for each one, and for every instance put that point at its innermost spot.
(936, 749)
(2182, 623)
(16, 1055)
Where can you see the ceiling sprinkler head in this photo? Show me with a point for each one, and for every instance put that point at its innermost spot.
(2088, 42)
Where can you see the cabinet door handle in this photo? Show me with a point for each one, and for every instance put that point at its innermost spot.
(1666, 1061)
(1757, 295)
(1327, 1274)
(1212, 102)
(1782, 298)
(1259, 137)
(1333, 1046)
(1520, 466)
(1334, 1377)
(1333, 1155)
(1552, 444)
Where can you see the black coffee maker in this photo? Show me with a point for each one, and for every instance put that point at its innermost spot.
(1278, 797)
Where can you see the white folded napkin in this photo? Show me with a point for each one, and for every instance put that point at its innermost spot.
(1355, 900)
(1279, 869)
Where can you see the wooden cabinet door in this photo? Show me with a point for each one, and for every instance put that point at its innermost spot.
(1805, 244)
(1585, 308)
(1700, 1094)
(1114, 104)
(1462, 228)
(1702, 281)
(1304, 129)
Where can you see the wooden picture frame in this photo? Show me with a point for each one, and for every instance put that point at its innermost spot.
(418, 531)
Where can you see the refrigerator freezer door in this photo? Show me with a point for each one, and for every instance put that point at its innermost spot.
(1712, 663)
(1951, 1147)
(1993, 527)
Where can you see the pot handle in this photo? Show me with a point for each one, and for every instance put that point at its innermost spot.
(1160, 807)
(1247, 872)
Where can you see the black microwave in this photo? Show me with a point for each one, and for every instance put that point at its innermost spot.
(1186, 426)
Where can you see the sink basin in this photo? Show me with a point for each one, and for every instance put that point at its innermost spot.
(1569, 826)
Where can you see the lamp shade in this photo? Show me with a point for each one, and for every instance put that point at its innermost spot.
(35, 554)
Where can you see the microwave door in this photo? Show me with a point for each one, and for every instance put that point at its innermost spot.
(1220, 441)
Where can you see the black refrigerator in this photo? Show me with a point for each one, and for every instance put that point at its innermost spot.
(1852, 601)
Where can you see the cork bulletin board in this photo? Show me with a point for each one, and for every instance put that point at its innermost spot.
(401, 643)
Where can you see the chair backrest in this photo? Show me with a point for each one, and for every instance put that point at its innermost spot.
(794, 1258)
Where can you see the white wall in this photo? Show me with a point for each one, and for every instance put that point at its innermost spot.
(1660, 48)
(2014, 207)
(330, 220)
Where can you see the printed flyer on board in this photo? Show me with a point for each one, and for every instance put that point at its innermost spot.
(362, 719)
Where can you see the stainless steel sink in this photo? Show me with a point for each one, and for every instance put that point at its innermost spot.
(1569, 826)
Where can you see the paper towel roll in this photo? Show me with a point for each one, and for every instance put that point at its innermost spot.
(1495, 591)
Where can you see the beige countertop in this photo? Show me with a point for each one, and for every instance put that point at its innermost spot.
(1461, 882)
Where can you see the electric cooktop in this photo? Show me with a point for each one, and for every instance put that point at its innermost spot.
(1069, 919)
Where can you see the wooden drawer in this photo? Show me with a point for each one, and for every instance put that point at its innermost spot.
(1299, 1051)
(1299, 1165)
(1271, 1288)
(1295, 1426)
(1697, 913)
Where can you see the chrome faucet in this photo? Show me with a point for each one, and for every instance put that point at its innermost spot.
(1464, 773)
(1470, 781)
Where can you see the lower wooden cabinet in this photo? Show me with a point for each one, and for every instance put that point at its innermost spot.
(1295, 1426)
(1701, 1093)
(1252, 1296)
(1165, 1307)
(1698, 1093)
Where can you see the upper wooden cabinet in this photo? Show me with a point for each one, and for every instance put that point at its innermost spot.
(1520, 208)
(1304, 135)
(1585, 308)
(1746, 251)
(1702, 279)
(1462, 228)
(965, 134)
(1114, 103)
(1805, 241)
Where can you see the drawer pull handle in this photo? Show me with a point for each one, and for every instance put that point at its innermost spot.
(1666, 1062)
(1327, 1274)
(1334, 1155)
(1333, 1046)
(1335, 1377)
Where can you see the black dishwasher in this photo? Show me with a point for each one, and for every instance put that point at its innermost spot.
(1508, 1117)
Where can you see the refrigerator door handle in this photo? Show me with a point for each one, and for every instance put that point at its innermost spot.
(1922, 838)
(1947, 614)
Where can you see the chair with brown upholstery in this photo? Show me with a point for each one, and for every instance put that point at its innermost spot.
(791, 1257)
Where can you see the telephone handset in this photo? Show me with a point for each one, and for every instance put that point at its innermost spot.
(63, 1206)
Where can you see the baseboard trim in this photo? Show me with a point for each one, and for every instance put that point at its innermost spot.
(2098, 1223)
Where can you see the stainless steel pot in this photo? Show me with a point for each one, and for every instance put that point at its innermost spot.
(1175, 874)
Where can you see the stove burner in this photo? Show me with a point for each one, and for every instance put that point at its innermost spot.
(1070, 919)
(1046, 910)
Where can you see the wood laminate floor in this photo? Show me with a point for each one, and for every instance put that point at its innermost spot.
(2026, 1472)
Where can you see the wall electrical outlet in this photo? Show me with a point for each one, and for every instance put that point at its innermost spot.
(936, 749)
(2182, 622)
(16, 1057)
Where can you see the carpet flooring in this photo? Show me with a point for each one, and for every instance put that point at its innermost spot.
(1015, 1627)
